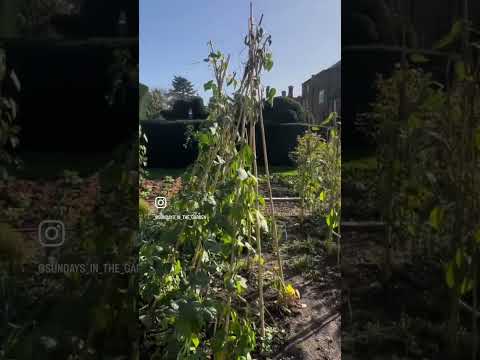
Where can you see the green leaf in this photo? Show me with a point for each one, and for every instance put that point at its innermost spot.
(477, 236)
(271, 95)
(329, 119)
(268, 62)
(208, 85)
(459, 258)
(454, 34)
(460, 70)
(195, 341)
(240, 284)
(436, 217)
(231, 80)
(418, 59)
(466, 287)
(322, 196)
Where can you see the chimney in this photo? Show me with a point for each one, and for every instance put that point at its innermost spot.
(284, 93)
(290, 91)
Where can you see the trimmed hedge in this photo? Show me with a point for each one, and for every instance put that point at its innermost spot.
(285, 110)
(62, 105)
(180, 109)
(166, 141)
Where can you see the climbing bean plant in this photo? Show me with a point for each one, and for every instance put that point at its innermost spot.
(318, 161)
(428, 135)
(190, 282)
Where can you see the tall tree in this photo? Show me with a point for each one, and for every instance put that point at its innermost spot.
(157, 102)
(182, 89)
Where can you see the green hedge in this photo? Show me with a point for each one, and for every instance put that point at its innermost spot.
(281, 140)
(166, 141)
(62, 105)
(285, 110)
(180, 109)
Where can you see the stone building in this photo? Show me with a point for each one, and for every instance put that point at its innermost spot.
(321, 94)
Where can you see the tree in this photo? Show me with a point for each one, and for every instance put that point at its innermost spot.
(182, 89)
(156, 102)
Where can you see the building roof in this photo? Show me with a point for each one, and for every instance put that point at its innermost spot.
(334, 66)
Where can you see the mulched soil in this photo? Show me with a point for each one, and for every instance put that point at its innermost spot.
(404, 320)
(24, 204)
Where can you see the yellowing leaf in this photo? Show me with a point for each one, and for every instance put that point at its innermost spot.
(259, 260)
(290, 292)
(436, 218)
(195, 341)
(322, 196)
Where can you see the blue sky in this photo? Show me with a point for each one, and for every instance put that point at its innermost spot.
(174, 35)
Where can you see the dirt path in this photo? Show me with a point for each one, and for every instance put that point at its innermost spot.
(313, 330)
(314, 334)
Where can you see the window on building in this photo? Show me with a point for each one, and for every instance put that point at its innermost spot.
(321, 97)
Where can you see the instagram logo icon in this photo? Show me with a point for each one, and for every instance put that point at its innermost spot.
(160, 202)
(51, 233)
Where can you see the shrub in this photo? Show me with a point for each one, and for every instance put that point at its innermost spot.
(143, 208)
(166, 142)
(12, 245)
(284, 110)
(181, 108)
(281, 140)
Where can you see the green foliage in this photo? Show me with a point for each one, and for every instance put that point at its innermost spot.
(319, 174)
(9, 128)
(169, 147)
(182, 89)
(123, 74)
(167, 142)
(190, 283)
(155, 102)
(12, 246)
(283, 109)
(181, 109)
